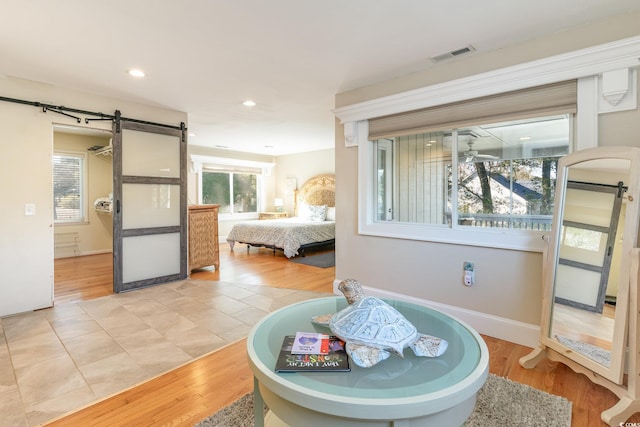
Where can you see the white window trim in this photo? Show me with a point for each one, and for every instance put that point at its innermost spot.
(504, 238)
(84, 206)
(586, 65)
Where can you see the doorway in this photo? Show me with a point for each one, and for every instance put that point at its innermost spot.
(83, 221)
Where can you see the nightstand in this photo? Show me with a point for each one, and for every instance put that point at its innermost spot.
(273, 215)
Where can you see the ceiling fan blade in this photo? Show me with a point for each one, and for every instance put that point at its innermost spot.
(486, 156)
(480, 158)
(472, 155)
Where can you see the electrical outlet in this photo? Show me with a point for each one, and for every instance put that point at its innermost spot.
(469, 273)
(469, 278)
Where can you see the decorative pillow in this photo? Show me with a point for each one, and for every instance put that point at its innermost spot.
(317, 213)
(303, 211)
(331, 213)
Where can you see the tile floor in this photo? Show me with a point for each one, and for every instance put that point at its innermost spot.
(58, 360)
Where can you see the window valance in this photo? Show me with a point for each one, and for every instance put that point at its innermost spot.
(224, 164)
(550, 99)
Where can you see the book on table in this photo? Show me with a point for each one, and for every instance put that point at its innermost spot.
(334, 360)
(310, 343)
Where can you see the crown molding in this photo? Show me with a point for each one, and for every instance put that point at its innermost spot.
(590, 61)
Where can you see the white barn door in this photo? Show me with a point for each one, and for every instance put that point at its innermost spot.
(150, 208)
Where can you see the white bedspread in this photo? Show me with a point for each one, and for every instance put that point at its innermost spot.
(287, 234)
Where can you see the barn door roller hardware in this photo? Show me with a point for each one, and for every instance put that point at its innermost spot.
(99, 116)
(102, 117)
(57, 110)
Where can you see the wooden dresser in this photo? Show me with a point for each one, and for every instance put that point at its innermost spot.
(203, 236)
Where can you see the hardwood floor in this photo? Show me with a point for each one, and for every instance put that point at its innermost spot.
(185, 395)
(89, 277)
(83, 278)
(181, 397)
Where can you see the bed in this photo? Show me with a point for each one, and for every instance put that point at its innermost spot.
(313, 225)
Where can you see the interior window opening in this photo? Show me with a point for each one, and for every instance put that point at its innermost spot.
(498, 175)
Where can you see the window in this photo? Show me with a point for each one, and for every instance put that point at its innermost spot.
(505, 175)
(490, 177)
(236, 185)
(235, 192)
(69, 189)
(465, 102)
(507, 172)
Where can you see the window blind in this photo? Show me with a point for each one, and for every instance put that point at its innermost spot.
(68, 190)
(547, 100)
(231, 169)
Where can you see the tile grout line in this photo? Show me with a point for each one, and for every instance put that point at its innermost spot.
(265, 301)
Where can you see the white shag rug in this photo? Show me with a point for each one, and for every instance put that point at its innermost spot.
(500, 402)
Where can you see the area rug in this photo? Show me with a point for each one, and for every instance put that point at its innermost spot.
(500, 402)
(593, 352)
(323, 260)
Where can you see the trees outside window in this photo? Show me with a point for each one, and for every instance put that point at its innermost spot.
(234, 192)
(502, 176)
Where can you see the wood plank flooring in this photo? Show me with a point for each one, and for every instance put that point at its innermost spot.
(185, 395)
(83, 278)
(89, 277)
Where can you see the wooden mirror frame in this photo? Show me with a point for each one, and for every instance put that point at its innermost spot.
(626, 316)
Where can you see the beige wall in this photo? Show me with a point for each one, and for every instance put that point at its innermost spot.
(95, 236)
(26, 147)
(621, 128)
(508, 282)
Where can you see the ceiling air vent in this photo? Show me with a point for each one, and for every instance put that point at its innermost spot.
(453, 53)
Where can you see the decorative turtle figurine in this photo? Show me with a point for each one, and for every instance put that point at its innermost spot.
(373, 329)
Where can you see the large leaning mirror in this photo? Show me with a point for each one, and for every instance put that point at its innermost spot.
(589, 238)
(588, 264)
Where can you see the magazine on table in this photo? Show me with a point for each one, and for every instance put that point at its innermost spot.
(335, 360)
(310, 343)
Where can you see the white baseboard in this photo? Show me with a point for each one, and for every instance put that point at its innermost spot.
(103, 251)
(84, 253)
(498, 327)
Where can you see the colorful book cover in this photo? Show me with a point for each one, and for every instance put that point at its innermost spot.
(310, 343)
(334, 361)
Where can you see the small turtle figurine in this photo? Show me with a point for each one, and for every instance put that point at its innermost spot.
(373, 329)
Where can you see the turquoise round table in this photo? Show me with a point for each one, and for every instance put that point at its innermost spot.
(409, 391)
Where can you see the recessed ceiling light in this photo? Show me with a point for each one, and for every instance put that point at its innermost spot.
(524, 138)
(135, 72)
(249, 103)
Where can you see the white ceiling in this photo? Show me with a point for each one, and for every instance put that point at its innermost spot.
(290, 56)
